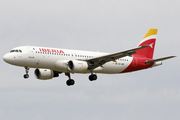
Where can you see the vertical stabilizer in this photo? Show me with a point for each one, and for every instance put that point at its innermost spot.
(149, 39)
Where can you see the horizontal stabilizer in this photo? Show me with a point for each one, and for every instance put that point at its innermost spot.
(160, 59)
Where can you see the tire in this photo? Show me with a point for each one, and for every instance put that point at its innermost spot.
(90, 78)
(93, 77)
(70, 82)
(26, 76)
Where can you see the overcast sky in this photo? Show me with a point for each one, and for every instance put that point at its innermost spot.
(95, 25)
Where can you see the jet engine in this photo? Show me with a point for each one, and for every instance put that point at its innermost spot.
(77, 66)
(45, 74)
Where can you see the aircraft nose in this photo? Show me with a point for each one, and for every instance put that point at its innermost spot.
(6, 58)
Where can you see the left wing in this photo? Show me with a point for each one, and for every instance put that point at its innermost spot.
(99, 61)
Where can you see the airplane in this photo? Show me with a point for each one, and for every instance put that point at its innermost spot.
(50, 62)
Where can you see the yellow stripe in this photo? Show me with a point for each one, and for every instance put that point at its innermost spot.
(151, 31)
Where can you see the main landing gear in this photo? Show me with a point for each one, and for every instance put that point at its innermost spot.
(27, 71)
(70, 81)
(93, 76)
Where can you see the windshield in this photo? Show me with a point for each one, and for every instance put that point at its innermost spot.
(20, 51)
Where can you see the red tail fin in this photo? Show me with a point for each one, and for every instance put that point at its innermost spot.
(149, 39)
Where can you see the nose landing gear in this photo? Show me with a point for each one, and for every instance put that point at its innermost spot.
(27, 71)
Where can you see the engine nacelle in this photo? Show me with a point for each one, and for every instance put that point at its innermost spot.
(45, 74)
(77, 66)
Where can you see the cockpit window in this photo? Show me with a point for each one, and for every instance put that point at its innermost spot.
(16, 51)
(12, 50)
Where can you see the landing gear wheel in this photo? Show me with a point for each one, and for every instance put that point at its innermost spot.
(93, 77)
(70, 82)
(26, 76)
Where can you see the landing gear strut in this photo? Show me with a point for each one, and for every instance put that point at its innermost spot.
(93, 76)
(70, 81)
(26, 75)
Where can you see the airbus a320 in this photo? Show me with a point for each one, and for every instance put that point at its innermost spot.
(50, 62)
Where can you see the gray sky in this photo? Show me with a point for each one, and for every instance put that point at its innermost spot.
(103, 25)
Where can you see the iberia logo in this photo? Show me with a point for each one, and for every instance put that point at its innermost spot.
(50, 50)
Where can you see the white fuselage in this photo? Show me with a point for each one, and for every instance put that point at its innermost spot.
(49, 58)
